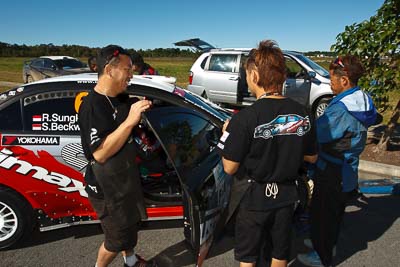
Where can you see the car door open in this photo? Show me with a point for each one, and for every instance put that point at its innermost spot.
(189, 139)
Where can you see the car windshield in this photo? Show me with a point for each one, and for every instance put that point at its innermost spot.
(317, 68)
(69, 63)
(212, 108)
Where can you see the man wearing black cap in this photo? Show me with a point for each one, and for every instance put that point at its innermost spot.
(106, 118)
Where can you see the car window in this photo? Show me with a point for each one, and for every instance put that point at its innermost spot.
(51, 112)
(203, 63)
(293, 69)
(48, 64)
(188, 137)
(223, 63)
(10, 117)
(292, 119)
(280, 120)
(69, 63)
(317, 68)
(38, 63)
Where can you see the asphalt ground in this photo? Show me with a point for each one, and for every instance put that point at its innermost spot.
(370, 237)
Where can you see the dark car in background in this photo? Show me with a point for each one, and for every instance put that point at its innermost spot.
(42, 162)
(51, 66)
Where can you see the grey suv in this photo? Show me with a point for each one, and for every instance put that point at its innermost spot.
(219, 76)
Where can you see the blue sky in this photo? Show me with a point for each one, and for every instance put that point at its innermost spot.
(302, 25)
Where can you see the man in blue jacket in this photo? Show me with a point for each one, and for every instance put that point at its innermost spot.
(341, 136)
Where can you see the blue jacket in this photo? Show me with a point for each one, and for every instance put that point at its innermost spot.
(342, 133)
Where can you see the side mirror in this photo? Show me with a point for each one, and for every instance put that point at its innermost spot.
(312, 74)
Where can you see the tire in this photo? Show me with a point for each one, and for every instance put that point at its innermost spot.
(321, 106)
(16, 217)
(300, 131)
(267, 133)
(29, 79)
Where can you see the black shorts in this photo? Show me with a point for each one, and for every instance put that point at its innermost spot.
(117, 237)
(253, 228)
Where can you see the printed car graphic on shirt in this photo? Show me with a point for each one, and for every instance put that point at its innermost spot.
(283, 125)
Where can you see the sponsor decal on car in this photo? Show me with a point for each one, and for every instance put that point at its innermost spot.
(12, 140)
(8, 162)
(55, 122)
(78, 100)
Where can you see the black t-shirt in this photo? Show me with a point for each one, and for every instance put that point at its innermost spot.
(97, 119)
(269, 140)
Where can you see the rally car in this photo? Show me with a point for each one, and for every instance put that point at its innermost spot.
(283, 124)
(42, 162)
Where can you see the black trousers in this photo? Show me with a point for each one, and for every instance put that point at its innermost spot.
(327, 209)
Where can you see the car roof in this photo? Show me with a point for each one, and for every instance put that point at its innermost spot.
(157, 82)
(246, 50)
(161, 82)
(58, 57)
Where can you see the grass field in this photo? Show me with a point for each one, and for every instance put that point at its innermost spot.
(11, 71)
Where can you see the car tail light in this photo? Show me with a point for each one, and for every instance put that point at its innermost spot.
(190, 77)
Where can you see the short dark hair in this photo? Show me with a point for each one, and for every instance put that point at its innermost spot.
(349, 66)
(109, 55)
(92, 61)
(270, 63)
(137, 59)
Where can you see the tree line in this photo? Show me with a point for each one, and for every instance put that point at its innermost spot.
(15, 50)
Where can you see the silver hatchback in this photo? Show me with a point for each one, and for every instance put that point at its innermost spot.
(218, 75)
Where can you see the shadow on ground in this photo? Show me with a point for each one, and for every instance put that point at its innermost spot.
(365, 221)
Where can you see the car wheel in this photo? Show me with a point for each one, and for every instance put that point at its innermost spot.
(29, 79)
(321, 106)
(300, 131)
(267, 133)
(15, 218)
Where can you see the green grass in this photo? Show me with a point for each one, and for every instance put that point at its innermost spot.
(11, 71)
(175, 67)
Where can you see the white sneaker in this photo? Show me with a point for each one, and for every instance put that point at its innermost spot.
(308, 243)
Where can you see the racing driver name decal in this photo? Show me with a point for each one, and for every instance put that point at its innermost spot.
(55, 122)
(14, 140)
(65, 183)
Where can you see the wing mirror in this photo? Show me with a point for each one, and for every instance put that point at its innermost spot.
(312, 75)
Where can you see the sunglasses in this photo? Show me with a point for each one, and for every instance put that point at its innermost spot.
(109, 58)
(339, 62)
